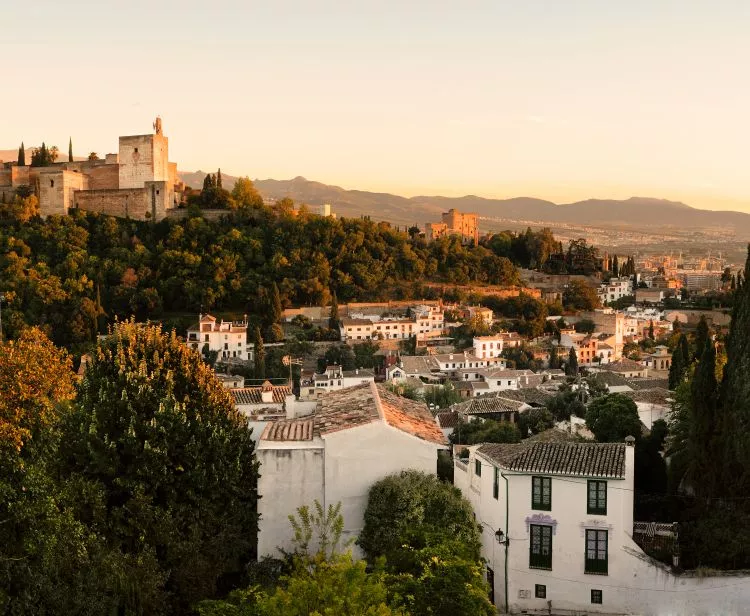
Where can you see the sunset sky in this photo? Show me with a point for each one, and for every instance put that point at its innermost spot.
(559, 99)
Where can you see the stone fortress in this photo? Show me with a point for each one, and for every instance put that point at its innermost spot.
(138, 182)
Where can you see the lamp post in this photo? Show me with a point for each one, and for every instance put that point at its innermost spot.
(2, 299)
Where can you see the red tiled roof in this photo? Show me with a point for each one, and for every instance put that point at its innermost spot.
(289, 430)
(409, 416)
(252, 395)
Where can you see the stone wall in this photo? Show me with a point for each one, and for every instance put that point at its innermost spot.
(57, 188)
(138, 203)
(104, 177)
(143, 158)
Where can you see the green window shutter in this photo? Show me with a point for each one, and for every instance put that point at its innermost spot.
(597, 498)
(540, 546)
(477, 468)
(496, 484)
(541, 493)
(597, 557)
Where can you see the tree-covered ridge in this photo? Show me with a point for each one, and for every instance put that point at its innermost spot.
(72, 274)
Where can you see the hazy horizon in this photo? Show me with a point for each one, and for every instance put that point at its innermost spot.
(560, 101)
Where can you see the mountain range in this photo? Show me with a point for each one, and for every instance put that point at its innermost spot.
(635, 212)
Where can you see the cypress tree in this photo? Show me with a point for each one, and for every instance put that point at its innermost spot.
(260, 355)
(678, 367)
(685, 348)
(70, 149)
(554, 358)
(702, 337)
(704, 431)
(651, 329)
(735, 392)
(571, 369)
(218, 179)
(615, 267)
(22, 156)
(333, 320)
(275, 305)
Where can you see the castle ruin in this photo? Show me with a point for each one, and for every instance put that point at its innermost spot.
(138, 182)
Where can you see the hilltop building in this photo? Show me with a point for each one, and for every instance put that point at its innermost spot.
(454, 223)
(227, 338)
(138, 182)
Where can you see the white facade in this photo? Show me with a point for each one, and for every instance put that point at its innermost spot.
(615, 289)
(227, 338)
(337, 464)
(629, 583)
(424, 320)
(335, 378)
(487, 346)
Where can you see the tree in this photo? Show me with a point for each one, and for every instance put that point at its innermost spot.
(615, 267)
(580, 296)
(93, 156)
(611, 418)
(678, 367)
(333, 319)
(534, 421)
(245, 196)
(566, 403)
(705, 448)
(651, 329)
(702, 337)
(21, 156)
(43, 157)
(161, 462)
(219, 185)
(571, 368)
(585, 326)
(70, 149)
(413, 509)
(554, 358)
(485, 431)
(275, 307)
(259, 354)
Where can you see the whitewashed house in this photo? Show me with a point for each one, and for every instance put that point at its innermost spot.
(227, 338)
(557, 527)
(354, 438)
(334, 378)
(487, 346)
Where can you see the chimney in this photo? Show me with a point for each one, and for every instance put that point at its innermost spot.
(356, 371)
(266, 393)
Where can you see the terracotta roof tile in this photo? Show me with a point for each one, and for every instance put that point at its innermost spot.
(572, 459)
(289, 430)
(252, 395)
(409, 416)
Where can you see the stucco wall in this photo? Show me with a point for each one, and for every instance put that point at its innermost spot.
(358, 457)
(290, 476)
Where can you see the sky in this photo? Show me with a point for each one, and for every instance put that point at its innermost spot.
(557, 99)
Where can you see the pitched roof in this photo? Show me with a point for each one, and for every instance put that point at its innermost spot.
(648, 383)
(419, 364)
(623, 365)
(252, 395)
(655, 395)
(358, 406)
(572, 459)
(487, 405)
(447, 419)
(529, 395)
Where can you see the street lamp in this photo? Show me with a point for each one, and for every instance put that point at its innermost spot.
(2, 299)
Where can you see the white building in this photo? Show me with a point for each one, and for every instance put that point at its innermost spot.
(227, 338)
(356, 437)
(615, 289)
(487, 346)
(334, 378)
(557, 527)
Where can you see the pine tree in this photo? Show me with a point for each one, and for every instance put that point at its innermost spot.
(333, 319)
(70, 149)
(571, 369)
(22, 156)
(260, 355)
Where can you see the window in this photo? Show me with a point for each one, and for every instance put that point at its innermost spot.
(540, 547)
(541, 493)
(596, 596)
(597, 500)
(136, 150)
(52, 183)
(477, 468)
(496, 483)
(596, 552)
(540, 591)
